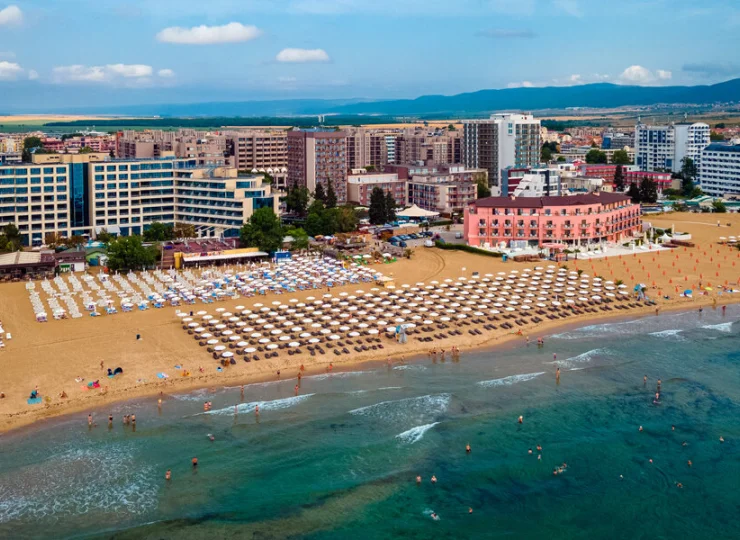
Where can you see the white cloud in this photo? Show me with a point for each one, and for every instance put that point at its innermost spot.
(642, 75)
(131, 74)
(130, 70)
(286, 80)
(575, 78)
(167, 73)
(523, 84)
(9, 71)
(11, 15)
(208, 35)
(570, 7)
(32, 75)
(301, 56)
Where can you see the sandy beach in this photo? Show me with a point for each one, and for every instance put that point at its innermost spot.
(50, 356)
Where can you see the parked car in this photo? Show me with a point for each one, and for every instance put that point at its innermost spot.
(428, 243)
(402, 244)
(458, 235)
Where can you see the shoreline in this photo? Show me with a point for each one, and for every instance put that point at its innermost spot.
(21, 422)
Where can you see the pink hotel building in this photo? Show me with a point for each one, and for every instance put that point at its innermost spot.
(543, 220)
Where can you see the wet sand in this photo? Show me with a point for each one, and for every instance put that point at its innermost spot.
(51, 355)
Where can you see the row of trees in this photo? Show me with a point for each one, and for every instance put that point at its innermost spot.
(322, 217)
(646, 192)
(596, 156)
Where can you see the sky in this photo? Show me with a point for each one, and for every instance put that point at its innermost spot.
(64, 54)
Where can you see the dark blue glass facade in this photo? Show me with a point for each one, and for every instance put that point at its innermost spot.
(79, 196)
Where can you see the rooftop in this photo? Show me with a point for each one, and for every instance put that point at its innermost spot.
(719, 147)
(24, 258)
(541, 202)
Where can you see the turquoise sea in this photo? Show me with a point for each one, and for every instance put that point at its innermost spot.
(340, 459)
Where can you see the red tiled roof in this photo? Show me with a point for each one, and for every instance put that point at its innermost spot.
(541, 202)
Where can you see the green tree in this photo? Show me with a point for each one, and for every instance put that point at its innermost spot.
(451, 127)
(297, 200)
(370, 168)
(331, 197)
(300, 238)
(619, 179)
(719, 207)
(688, 175)
(621, 157)
(184, 230)
(104, 236)
(596, 156)
(561, 159)
(319, 194)
(29, 144)
(720, 125)
(696, 192)
(377, 212)
(263, 230)
(314, 224)
(86, 150)
(329, 221)
(390, 208)
(634, 193)
(483, 189)
(546, 154)
(12, 234)
(158, 232)
(74, 241)
(648, 191)
(347, 220)
(53, 239)
(129, 253)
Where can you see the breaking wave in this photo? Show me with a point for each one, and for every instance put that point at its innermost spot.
(511, 380)
(415, 434)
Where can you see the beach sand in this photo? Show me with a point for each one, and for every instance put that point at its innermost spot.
(52, 355)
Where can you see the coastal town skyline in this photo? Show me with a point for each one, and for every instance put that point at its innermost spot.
(180, 51)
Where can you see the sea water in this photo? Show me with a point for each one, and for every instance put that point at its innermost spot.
(339, 460)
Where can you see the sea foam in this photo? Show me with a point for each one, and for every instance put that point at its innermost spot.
(722, 327)
(415, 410)
(415, 434)
(582, 358)
(511, 379)
(274, 405)
(673, 333)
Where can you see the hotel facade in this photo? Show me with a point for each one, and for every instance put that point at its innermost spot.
(80, 195)
(568, 220)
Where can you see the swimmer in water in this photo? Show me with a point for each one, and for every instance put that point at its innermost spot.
(194, 461)
(644, 380)
(673, 428)
(554, 356)
(418, 479)
(296, 389)
(470, 510)
(435, 517)
(529, 451)
(168, 475)
(521, 420)
(721, 439)
(640, 428)
(689, 463)
(434, 479)
(539, 448)
(467, 448)
(557, 375)
(257, 410)
(133, 419)
(89, 420)
(110, 420)
(159, 403)
(211, 437)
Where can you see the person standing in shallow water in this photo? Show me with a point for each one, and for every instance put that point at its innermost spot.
(557, 375)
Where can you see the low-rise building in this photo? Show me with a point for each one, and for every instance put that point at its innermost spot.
(360, 185)
(538, 221)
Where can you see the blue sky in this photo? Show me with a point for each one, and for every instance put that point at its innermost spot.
(70, 53)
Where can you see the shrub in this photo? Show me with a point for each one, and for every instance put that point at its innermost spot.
(469, 249)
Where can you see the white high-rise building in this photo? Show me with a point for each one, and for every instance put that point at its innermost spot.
(502, 141)
(719, 169)
(659, 148)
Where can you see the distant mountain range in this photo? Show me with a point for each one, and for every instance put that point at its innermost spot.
(601, 95)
